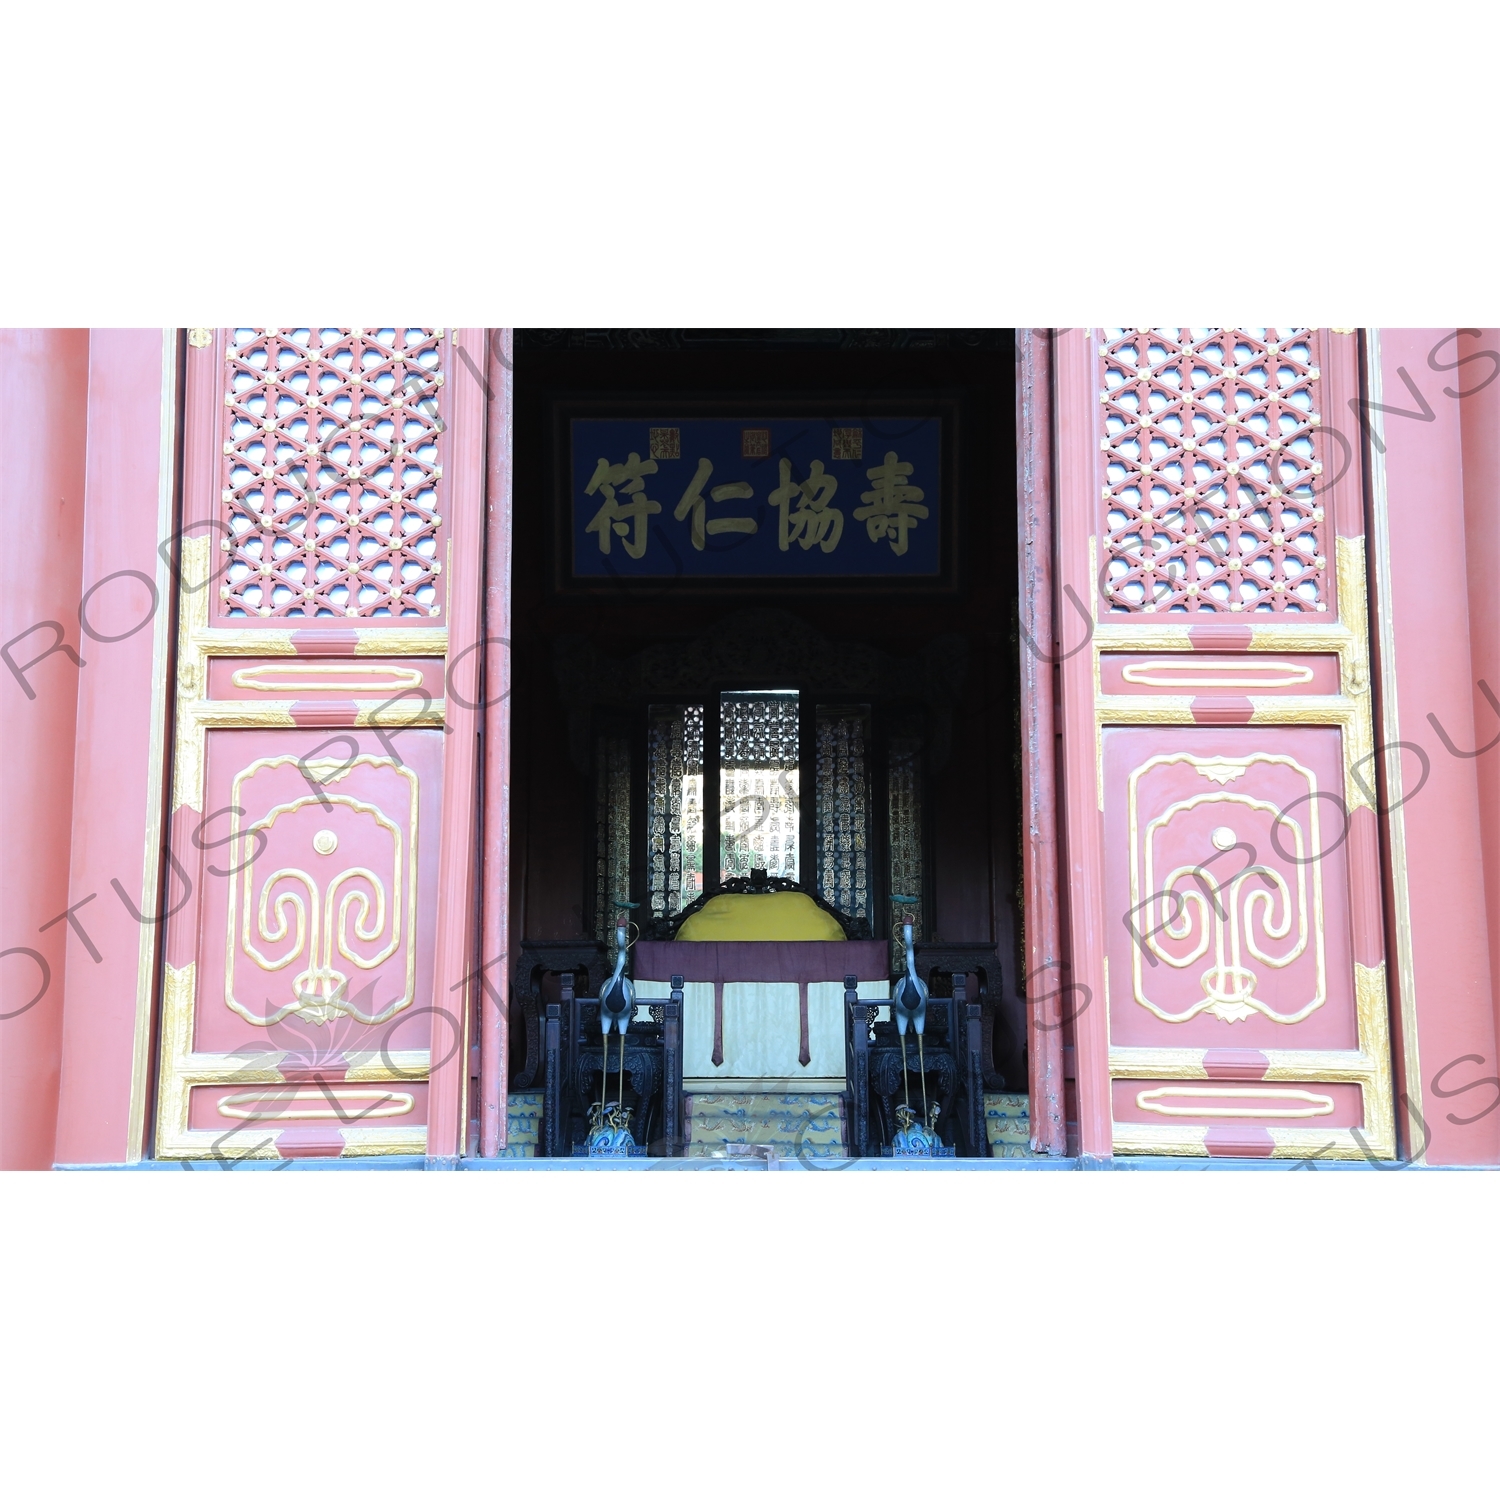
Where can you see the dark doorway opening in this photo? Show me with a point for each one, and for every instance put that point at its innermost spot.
(913, 682)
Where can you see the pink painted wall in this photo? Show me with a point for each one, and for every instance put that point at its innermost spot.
(120, 697)
(1479, 383)
(43, 383)
(1440, 477)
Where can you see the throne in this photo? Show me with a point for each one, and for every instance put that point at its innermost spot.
(761, 987)
(763, 961)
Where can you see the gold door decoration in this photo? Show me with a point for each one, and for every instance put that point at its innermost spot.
(331, 911)
(1236, 1104)
(291, 678)
(1254, 913)
(1216, 561)
(318, 1102)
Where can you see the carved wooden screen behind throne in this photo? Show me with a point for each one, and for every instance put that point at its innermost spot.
(869, 729)
(324, 772)
(1222, 871)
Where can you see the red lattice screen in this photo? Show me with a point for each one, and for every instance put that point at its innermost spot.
(331, 467)
(1210, 471)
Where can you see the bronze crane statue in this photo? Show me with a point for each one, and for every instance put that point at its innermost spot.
(909, 1007)
(616, 1007)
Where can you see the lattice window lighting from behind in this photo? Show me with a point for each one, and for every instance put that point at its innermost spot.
(759, 798)
(674, 806)
(331, 474)
(842, 808)
(1211, 467)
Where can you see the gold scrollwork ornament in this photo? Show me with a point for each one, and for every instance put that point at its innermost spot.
(319, 918)
(1254, 914)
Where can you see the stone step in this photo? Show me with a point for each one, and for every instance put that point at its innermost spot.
(725, 1125)
(523, 1123)
(1007, 1125)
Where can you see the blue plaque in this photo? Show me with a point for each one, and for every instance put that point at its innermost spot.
(779, 498)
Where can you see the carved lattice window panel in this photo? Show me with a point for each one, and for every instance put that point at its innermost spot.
(331, 474)
(843, 810)
(905, 811)
(759, 801)
(674, 806)
(612, 861)
(759, 731)
(1211, 477)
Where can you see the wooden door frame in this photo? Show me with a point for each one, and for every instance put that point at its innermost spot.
(494, 796)
(1044, 985)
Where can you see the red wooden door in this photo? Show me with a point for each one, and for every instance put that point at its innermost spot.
(1222, 866)
(320, 944)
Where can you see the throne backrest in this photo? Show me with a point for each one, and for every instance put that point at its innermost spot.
(760, 908)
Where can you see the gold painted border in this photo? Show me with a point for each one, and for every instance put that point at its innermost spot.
(156, 768)
(1390, 728)
(1309, 639)
(1177, 708)
(393, 1140)
(1284, 1065)
(1287, 1142)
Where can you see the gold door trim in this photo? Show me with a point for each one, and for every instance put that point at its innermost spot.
(1395, 820)
(147, 969)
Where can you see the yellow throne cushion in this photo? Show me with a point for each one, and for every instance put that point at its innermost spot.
(778, 917)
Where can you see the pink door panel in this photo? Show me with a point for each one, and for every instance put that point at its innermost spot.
(317, 986)
(1226, 968)
(317, 914)
(1226, 859)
